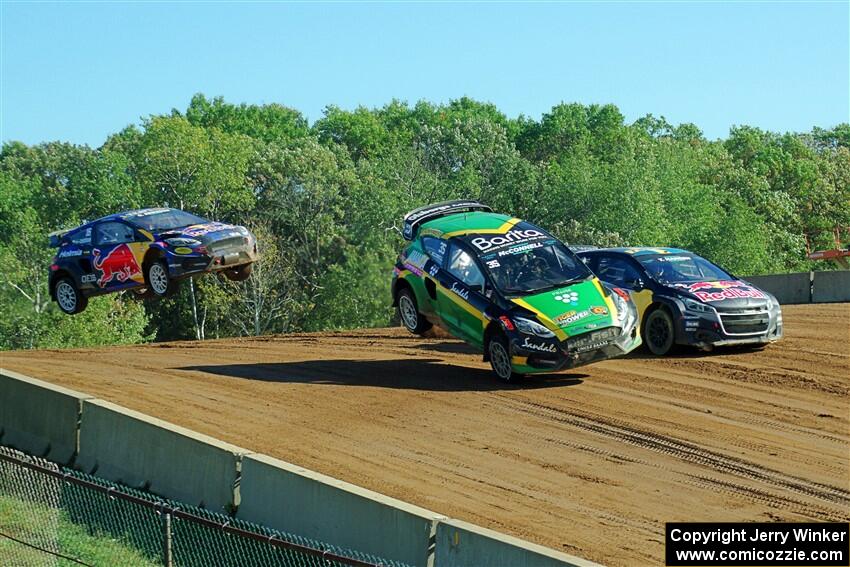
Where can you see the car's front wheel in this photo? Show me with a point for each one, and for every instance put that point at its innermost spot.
(158, 280)
(409, 313)
(658, 332)
(69, 298)
(500, 359)
(239, 274)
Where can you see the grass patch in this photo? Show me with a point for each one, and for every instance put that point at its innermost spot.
(47, 527)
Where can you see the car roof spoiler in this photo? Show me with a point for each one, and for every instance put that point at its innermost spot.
(55, 237)
(430, 212)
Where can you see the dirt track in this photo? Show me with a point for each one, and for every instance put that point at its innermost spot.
(592, 462)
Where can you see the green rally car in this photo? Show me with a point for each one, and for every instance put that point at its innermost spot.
(509, 288)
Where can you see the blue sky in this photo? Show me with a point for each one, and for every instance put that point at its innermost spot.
(79, 71)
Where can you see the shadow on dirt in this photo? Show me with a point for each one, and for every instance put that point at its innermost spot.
(690, 352)
(423, 374)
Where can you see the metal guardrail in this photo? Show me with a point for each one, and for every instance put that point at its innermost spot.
(49, 512)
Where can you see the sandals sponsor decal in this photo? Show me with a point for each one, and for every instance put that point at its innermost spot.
(539, 347)
(460, 291)
(729, 289)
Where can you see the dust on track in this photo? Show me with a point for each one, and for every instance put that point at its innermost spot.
(593, 461)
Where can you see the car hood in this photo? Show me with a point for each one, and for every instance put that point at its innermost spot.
(723, 293)
(572, 309)
(206, 232)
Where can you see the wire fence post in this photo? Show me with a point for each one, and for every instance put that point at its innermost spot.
(167, 557)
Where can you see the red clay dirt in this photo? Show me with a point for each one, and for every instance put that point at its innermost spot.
(592, 462)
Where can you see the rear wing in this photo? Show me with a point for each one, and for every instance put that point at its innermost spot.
(430, 212)
(55, 237)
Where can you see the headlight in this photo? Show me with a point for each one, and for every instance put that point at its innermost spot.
(622, 307)
(696, 306)
(190, 242)
(530, 327)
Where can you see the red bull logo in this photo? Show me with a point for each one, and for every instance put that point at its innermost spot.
(729, 289)
(119, 263)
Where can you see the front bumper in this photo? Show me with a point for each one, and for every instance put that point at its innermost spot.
(528, 354)
(730, 327)
(181, 265)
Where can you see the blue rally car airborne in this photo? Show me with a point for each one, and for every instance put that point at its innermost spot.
(147, 251)
(684, 299)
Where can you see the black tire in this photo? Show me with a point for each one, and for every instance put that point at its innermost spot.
(239, 274)
(158, 281)
(500, 359)
(68, 297)
(408, 312)
(659, 335)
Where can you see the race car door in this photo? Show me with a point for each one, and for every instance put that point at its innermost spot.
(461, 295)
(116, 258)
(624, 272)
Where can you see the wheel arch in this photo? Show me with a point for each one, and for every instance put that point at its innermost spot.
(398, 285)
(493, 328)
(54, 279)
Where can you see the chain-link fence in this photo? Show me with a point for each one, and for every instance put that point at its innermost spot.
(56, 516)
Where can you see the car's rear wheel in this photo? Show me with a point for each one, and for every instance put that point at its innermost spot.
(158, 281)
(239, 274)
(500, 359)
(658, 332)
(409, 313)
(69, 298)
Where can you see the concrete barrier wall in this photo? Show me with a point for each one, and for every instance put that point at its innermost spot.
(831, 287)
(460, 544)
(788, 288)
(125, 446)
(39, 418)
(806, 287)
(283, 496)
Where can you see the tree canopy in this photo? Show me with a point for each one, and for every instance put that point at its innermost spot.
(327, 199)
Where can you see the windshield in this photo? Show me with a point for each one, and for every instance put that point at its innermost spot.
(533, 266)
(676, 268)
(157, 220)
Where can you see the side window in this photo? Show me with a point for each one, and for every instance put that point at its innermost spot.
(113, 233)
(462, 266)
(435, 248)
(618, 271)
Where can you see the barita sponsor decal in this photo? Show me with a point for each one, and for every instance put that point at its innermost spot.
(540, 347)
(729, 289)
(460, 291)
(515, 236)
